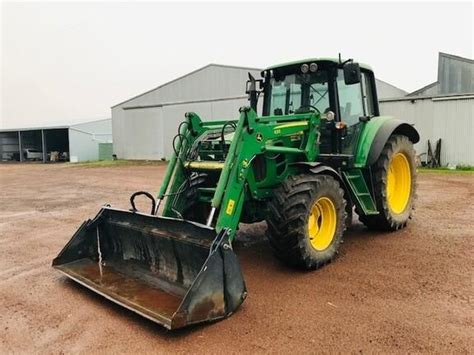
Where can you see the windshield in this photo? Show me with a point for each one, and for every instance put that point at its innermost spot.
(297, 93)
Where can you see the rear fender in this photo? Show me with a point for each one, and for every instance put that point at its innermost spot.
(376, 133)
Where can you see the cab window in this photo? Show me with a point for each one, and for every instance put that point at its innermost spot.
(285, 96)
(319, 96)
(367, 94)
(351, 105)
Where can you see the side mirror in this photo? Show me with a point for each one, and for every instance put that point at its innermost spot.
(250, 86)
(252, 91)
(351, 73)
(253, 84)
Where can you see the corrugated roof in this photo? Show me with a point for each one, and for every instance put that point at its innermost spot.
(456, 57)
(33, 128)
(37, 128)
(184, 76)
(440, 97)
(416, 92)
(232, 67)
(445, 55)
(391, 85)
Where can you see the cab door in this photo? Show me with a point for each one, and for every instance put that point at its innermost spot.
(355, 101)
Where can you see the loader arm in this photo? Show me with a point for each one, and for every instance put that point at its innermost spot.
(253, 136)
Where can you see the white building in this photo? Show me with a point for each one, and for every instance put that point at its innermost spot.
(144, 126)
(442, 110)
(77, 142)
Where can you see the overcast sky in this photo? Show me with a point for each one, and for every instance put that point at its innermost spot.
(69, 62)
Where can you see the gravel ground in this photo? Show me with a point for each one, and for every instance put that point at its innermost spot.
(409, 291)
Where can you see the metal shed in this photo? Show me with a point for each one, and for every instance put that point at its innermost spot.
(455, 76)
(144, 126)
(77, 142)
(449, 117)
(442, 110)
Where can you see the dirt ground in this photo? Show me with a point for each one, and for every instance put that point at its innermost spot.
(409, 291)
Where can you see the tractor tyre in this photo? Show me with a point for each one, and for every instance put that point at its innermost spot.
(195, 210)
(306, 220)
(394, 178)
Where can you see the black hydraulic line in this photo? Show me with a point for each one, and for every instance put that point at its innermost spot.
(147, 194)
(228, 123)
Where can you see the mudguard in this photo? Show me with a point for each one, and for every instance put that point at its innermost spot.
(320, 168)
(375, 134)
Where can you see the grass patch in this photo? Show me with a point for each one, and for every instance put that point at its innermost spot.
(465, 167)
(463, 170)
(116, 163)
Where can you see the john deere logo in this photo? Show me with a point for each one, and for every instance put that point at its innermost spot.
(259, 137)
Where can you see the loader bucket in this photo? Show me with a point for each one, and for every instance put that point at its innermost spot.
(171, 271)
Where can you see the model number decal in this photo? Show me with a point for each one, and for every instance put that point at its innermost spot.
(230, 207)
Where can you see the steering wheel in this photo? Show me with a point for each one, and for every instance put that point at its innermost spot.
(310, 106)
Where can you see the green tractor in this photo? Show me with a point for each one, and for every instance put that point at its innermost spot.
(318, 151)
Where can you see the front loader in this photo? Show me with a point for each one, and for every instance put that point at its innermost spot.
(318, 151)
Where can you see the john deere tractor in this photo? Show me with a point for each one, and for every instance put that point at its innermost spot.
(317, 150)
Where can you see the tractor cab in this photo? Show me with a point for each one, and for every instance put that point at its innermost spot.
(342, 93)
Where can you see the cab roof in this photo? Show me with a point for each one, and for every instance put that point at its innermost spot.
(309, 60)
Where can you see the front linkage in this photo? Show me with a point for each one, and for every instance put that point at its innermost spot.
(292, 137)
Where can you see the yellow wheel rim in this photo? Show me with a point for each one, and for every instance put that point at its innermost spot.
(322, 223)
(398, 183)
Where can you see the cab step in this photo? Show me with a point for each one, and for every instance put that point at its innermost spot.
(360, 192)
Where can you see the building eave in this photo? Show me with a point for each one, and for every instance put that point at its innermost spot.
(426, 87)
(185, 76)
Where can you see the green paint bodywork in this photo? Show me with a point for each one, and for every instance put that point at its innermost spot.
(293, 137)
(275, 143)
(366, 138)
(242, 166)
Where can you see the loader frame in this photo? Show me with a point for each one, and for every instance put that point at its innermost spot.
(237, 183)
(295, 137)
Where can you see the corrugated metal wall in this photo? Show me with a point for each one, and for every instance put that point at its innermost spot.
(455, 74)
(138, 133)
(84, 139)
(448, 118)
(144, 127)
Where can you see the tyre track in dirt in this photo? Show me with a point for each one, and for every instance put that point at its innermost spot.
(409, 291)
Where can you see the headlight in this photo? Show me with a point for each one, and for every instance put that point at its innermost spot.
(313, 67)
(304, 68)
(330, 115)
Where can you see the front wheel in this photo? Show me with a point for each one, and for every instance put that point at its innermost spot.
(394, 176)
(306, 220)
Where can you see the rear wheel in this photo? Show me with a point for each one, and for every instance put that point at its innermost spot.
(306, 220)
(394, 185)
